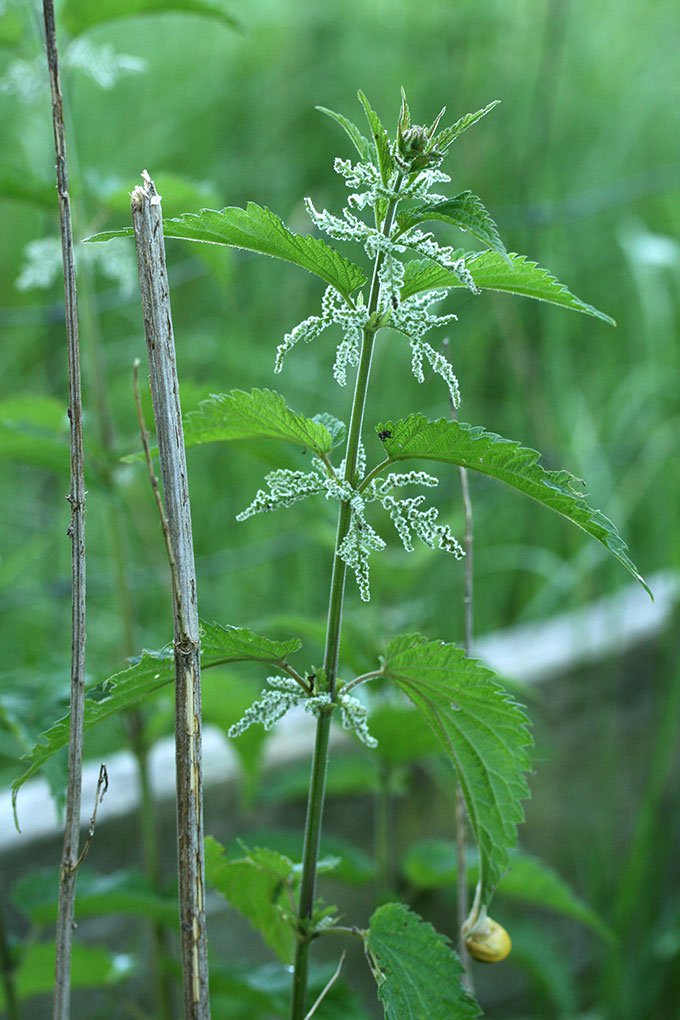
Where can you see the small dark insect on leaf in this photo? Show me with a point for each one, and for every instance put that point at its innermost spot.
(395, 301)
(385, 434)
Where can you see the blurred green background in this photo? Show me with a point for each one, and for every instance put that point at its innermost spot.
(579, 167)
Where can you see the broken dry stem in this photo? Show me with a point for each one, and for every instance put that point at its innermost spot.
(148, 228)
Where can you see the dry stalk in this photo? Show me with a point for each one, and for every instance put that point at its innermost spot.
(76, 532)
(148, 226)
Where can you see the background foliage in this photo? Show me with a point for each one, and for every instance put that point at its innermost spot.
(579, 168)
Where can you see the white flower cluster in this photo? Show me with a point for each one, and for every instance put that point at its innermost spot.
(406, 516)
(425, 244)
(354, 717)
(409, 520)
(420, 187)
(413, 318)
(285, 488)
(288, 487)
(350, 228)
(334, 310)
(42, 264)
(363, 175)
(356, 547)
(271, 707)
(362, 539)
(367, 176)
(391, 275)
(285, 693)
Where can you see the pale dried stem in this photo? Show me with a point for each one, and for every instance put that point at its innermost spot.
(76, 532)
(148, 226)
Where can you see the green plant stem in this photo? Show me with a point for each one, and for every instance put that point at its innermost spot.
(317, 791)
(317, 783)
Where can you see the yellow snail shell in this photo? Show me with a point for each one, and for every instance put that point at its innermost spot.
(489, 945)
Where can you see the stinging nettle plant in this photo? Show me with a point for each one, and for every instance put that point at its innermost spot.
(393, 190)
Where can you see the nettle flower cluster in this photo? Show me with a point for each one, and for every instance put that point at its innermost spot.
(285, 693)
(286, 487)
(410, 316)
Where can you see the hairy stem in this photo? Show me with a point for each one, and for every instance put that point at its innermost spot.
(317, 783)
(76, 530)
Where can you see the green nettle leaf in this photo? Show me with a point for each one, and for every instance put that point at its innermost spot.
(464, 211)
(381, 139)
(510, 274)
(432, 864)
(470, 446)
(417, 972)
(361, 144)
(449, 134)
(260, 414)
(258, 229)
(79, 15)
(219, 646)
(122, 892)
(258, 885)
(483, 731)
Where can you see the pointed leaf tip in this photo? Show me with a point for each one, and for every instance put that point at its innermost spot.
(509, 273)
(470, 446)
